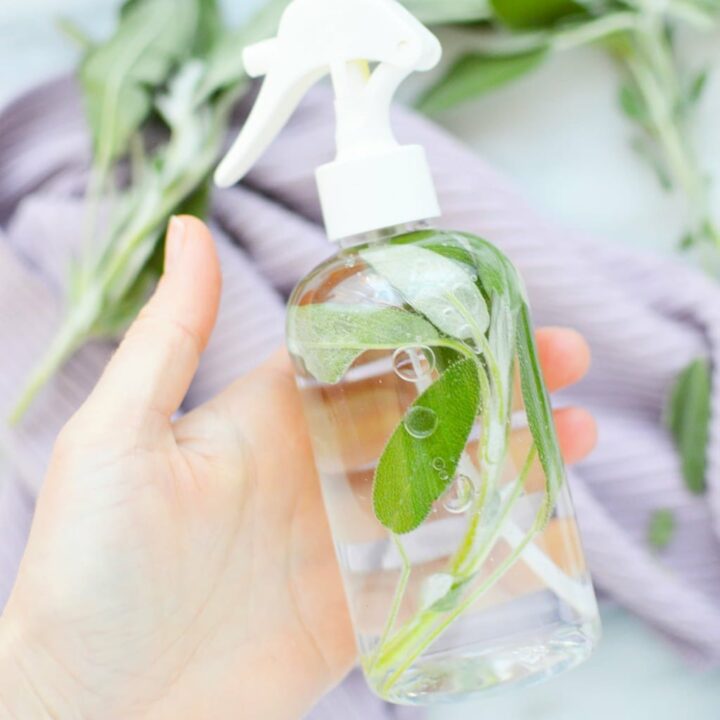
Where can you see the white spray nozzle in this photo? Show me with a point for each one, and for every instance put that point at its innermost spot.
(340, 38)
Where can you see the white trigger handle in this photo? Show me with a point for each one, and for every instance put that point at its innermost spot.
(320, 37)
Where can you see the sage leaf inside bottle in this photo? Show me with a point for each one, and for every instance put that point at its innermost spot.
(334, 335)
(439, 288)
(417, 468)
(539, 411)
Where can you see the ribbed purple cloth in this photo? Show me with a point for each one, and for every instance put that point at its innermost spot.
(645, 317)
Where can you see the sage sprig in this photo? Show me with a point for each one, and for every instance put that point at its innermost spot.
(457, 298)
(119, 77)
(658, 93)
(170, 67)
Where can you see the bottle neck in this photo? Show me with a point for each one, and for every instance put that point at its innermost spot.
(383, 235)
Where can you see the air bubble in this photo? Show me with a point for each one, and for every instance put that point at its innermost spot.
(414, 364)
(438, 464)
(460, 495)
(421, 422)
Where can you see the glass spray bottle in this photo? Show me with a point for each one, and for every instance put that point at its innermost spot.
(415, 356)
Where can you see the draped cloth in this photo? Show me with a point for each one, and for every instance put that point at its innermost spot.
(646, 317)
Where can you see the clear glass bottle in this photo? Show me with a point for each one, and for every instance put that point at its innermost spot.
(441, 471)
(432, 429)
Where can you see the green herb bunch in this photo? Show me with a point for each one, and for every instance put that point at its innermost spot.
(170, 68)
(657, 92)
(463, 304)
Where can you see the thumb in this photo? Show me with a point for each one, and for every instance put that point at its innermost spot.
(152, 369)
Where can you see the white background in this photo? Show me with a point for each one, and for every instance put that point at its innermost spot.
(559, 135)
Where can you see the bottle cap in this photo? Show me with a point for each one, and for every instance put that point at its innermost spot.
(374, 182)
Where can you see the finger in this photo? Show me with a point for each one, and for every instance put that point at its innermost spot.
(577, 433)
(152, 369)
(564, 356)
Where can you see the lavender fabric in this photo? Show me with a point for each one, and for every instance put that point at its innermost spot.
(645, 317)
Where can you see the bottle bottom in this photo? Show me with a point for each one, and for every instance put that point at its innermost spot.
(461, 673)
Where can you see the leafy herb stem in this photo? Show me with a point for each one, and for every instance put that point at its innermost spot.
(662, 103)
(411, 642)
(491, 466)
(593, 31)
(105, 278)
(440, 628)
(469, 540)
(63, 345)
(497, 574)
(156, 216)
(460, 567)
(482, 344)
(398, 598)
(576, 35)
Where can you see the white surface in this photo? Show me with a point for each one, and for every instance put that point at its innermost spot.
(631, 676)
(559, 135)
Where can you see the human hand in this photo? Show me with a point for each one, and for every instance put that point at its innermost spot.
(185, 569)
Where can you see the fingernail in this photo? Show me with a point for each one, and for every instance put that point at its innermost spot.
(174, 242)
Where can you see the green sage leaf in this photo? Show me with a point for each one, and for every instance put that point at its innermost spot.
(441, 289)
(650, 153)
(525, 14)
(225, 65)
(697, 87)
(432, 12)
(476, 74)
(209, 28)
(329, 337)
(688, 419)
(413, 472)
(496, 274)
(633, 103)
(118, 77)
(539, 410)
(661, 529)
